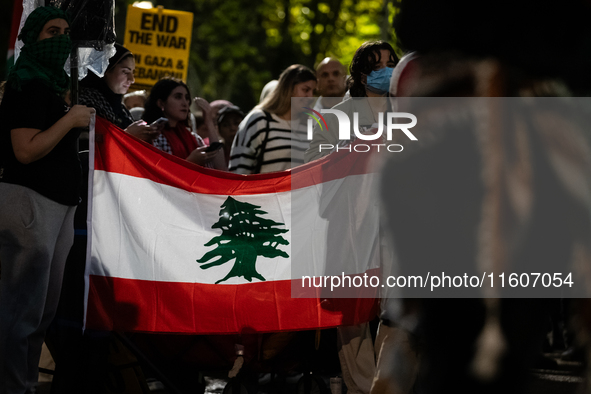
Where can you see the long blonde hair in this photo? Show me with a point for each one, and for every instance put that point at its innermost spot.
(279, 100)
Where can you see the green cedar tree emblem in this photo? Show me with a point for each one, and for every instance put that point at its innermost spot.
(245, 236)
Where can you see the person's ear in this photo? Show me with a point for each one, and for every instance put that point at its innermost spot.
(363, 79)
(160, 104)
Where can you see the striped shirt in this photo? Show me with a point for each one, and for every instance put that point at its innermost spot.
(283, 149)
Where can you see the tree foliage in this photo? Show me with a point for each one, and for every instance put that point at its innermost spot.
(240, 45)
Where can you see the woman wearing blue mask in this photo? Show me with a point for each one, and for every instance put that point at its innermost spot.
(370, 73)
(371, 69)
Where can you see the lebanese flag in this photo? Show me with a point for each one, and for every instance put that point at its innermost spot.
(178, 248)
(17, 10)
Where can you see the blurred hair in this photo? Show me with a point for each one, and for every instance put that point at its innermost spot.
(160, 91)
(229, 110)
(220, 103)
(365, 59)
(140, 93)
(267, 89)
(279, 100)
(541, 38)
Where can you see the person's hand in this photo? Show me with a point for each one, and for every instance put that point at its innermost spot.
(68, 97)
(143, 131)
(200, 156)
(205, 107)
(79, 115)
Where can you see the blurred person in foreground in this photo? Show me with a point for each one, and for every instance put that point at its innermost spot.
(493, 185)
(332, 83)
(265, 140)
(39, 191)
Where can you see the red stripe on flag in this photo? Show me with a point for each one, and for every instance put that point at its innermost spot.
(193, 308)
(17, 11)
(119, 152)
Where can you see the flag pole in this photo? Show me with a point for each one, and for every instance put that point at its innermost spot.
(74, 73)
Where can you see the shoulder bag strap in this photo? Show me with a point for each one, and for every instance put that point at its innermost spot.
(262, 147)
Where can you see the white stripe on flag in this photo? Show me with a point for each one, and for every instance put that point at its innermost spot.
(149, 231)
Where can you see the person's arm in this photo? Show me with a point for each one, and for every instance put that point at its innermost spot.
(30, 145)
(218, 161)
(208, 119)
(243, 154)
(143, 131)
(201, 157)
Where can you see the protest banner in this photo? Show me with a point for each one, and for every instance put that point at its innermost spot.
(160, 41)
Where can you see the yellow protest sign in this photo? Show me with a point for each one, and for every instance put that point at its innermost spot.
(160, 41)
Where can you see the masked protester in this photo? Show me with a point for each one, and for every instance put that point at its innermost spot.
(39, 191)
(370, 70)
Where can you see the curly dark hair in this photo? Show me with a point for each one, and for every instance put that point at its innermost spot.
(363, 63)
(160, 91)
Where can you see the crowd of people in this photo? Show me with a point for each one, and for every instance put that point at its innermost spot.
(41, 175)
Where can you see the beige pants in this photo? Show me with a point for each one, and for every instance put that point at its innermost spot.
(389, 366)
(357, 357)
(397, 364)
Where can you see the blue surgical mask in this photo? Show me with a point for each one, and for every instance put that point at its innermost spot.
(380, 80)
